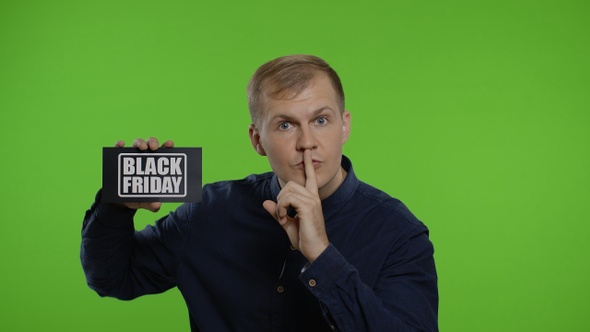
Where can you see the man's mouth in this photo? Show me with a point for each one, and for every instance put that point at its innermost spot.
(316, 164)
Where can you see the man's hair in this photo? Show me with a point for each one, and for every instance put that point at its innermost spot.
(286, 77)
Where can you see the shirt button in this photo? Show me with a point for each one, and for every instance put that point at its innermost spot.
(280, 289)
(312, 282)
(293, 247)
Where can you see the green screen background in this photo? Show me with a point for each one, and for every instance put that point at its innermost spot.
(474, 113)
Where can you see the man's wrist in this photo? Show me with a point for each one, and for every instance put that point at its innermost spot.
(317, 251)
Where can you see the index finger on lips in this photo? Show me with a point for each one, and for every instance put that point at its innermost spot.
(310, 177)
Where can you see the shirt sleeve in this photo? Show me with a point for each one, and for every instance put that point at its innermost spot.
(404, 298)
(123, 263)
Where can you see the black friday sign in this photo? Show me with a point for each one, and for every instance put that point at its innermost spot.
(164, 175)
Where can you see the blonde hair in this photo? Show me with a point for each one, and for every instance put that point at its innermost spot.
(286, 77)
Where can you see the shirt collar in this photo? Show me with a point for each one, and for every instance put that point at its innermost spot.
(335, 201)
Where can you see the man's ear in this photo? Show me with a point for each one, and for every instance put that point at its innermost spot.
(255, 140)
(345, 126)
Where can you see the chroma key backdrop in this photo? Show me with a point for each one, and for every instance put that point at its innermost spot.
(474, 113)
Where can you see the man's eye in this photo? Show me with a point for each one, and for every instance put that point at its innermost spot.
(284, 125)
(321, 120)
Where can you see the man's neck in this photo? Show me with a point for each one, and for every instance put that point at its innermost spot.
(334, 184)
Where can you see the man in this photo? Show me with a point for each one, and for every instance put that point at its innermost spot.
(307, 247)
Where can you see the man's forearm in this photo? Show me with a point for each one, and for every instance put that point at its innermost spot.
(107, 237)
(398, 302)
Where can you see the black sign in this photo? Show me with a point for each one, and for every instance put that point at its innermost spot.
(164, 175)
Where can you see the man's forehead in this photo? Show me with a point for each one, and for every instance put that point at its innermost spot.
(318, 87)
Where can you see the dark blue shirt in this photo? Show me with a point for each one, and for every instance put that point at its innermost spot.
(235, 267)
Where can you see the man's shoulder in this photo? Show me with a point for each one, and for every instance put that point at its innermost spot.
(383, 203)
(251, 180)
(252, 184)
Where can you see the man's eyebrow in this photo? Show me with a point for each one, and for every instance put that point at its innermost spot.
(322, 109)
(281, 117)
(315, 113)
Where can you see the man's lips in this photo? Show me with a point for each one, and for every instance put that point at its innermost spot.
(316, 164)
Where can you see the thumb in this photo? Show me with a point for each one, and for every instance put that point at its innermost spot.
(289, 226)
(153, 206)
(271, 208)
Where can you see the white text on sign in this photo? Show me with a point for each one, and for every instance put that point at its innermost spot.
(151, 175)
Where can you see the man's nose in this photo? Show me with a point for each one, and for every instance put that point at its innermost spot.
(306, 139)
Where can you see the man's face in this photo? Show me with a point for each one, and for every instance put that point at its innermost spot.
(312, 120)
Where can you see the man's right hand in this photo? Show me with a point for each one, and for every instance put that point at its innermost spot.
(153, 145)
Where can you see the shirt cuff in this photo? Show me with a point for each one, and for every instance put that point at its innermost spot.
(109, 215)
(113, 215)
(321, 275)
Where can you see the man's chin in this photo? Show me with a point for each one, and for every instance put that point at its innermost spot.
(299, 179)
